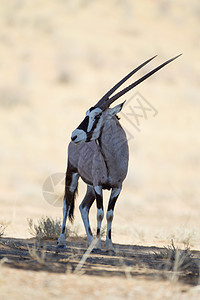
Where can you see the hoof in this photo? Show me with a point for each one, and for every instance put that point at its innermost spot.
(61, 247)
(110, 252)
(96, 251)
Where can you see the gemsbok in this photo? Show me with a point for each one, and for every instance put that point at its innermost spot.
(98, 153)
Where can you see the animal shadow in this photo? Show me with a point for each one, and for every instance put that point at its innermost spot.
(127, 261)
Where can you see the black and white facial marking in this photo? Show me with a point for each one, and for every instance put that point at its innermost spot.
(89, 129)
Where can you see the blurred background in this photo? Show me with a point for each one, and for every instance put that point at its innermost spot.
(57, 58)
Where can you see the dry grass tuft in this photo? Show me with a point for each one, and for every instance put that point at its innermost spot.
(48, 228)
(2, 229)
(178, 261)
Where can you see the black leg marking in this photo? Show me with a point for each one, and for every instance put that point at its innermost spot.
(89, 230)
(63, 230)
(112, 202)
(98, 232)
(99, 201)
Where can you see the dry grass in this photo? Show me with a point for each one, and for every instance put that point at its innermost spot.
(3, 227)
(47, 228)
(85, 256)
(37, 255)
(179, 262)
(186, 236)
(130, 266)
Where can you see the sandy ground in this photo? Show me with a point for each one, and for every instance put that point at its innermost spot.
(40, 270)
(56, 60)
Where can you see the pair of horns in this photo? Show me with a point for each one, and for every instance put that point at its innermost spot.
(105, 101)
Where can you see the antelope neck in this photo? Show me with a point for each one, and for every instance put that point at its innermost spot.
(99, 147)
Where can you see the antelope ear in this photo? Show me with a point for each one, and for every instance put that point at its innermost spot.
(115, 110)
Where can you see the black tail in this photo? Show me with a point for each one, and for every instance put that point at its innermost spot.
(72, 205)
(70, 196)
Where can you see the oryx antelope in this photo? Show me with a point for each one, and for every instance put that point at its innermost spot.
(98, 153)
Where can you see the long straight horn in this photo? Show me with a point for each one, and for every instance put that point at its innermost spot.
(131, 86)
(103, 100)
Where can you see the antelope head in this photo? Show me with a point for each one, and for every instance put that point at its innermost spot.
(90, 127)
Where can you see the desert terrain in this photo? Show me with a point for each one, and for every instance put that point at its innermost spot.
(57, 58)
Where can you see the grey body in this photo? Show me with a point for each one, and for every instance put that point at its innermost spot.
(106, 166)
(99, 155)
